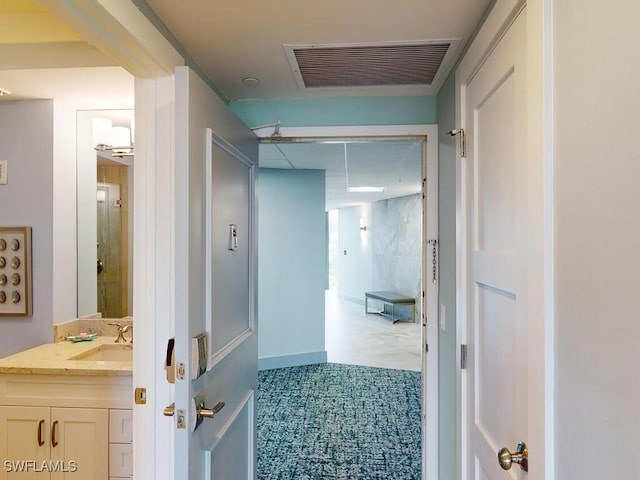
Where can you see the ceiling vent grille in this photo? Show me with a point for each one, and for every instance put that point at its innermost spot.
(369, 65)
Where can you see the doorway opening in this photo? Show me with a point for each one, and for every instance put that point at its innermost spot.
(356, 217)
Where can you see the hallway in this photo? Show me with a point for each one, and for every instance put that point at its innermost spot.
(355, 338)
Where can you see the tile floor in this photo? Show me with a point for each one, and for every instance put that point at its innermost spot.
(355, 338)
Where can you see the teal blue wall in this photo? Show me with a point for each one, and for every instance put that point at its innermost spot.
(447, 243)
(292, 267)
(314, 112)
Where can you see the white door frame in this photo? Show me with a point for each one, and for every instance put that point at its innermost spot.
(119, 29)
(430, 367)
(539, 146)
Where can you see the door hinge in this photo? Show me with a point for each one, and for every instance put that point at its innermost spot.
(463, 356)
(140, 396)
(426, 347)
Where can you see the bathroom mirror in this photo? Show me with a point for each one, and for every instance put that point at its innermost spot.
(105, 213)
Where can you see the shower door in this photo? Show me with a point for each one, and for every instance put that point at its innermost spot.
(109, 251)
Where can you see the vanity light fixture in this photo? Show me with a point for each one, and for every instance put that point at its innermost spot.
(4, 92)
(117, 139)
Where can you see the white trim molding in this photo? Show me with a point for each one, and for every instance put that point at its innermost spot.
(122, 31)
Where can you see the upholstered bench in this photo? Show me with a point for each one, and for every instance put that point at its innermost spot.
(392, 300)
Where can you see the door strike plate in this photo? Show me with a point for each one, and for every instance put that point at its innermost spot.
(140, 396)
(180, 371)
(181, 419)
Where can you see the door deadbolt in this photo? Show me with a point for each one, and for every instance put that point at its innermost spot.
(521, 456)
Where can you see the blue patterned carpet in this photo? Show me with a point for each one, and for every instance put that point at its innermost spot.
(333, 421)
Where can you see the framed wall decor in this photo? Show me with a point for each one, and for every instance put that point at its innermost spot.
(16, 296)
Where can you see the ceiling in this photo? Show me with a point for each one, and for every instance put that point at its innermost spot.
(232, 40)
(40, 57)
(394, 165)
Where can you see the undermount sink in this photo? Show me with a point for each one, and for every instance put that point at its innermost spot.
(116, 352)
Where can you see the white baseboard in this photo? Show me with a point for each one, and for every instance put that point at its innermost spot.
(295, 360)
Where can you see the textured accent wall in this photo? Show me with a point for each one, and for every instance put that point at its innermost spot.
(396, 238)
(387, 256)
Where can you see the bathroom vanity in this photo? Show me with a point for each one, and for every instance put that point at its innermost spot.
(67, 407)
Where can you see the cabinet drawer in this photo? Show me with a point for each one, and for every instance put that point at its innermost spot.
(120, 426)
(120, 460)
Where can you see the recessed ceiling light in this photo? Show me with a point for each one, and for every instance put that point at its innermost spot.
(251, 81)
(365, 189)
(4, 92)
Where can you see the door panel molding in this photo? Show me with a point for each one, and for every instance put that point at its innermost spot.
(218, 354)
(248, 403)
(497, 23)
(223, 352)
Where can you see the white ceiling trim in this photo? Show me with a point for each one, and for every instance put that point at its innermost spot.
(120, 30)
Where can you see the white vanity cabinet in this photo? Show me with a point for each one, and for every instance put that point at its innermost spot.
(120, 444)
(65, 423)
(54, 442)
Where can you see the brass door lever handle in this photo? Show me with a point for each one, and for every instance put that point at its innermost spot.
(203, 412)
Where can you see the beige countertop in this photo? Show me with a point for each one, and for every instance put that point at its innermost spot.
(55, 359)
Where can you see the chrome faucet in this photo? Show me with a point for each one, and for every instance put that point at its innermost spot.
(121, 329)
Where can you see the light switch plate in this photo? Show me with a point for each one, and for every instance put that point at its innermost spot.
(3, 172)
(15, 272)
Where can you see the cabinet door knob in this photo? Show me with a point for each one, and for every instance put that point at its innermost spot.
(54, 429)
(40, 428)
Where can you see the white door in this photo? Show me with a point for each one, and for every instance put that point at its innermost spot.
(497, 198)
(215, 288)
